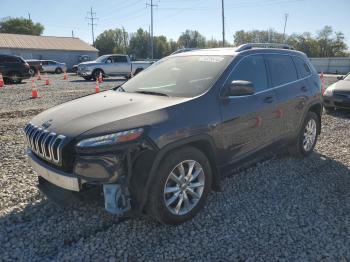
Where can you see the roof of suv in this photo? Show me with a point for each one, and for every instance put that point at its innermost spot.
(232, 51)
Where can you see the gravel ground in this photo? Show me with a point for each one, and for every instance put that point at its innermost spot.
(280, 209)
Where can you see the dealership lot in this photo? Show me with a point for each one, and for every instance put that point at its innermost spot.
(281, 208)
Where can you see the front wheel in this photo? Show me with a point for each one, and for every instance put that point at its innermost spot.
(307, 137)
(180, 189)
(15, 78)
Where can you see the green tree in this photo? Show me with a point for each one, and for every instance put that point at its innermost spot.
(161, 47)
(112, 41)
(191, 39)
(21, 26)
(139, 45)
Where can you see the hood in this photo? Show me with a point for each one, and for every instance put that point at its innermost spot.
(341, 85)
(83, 114)
(88, 63)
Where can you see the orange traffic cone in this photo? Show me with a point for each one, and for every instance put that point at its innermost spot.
(35, 93)
(100, 78)
(47, 81)
(1, 81)
(323, 83)
(39, 75)
(65, 77)
(97, 87)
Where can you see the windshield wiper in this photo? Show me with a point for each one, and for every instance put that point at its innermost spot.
(151, 93)
(119, 88)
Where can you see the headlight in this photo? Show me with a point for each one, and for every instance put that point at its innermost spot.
(82, 67)
(111, 139)
(329, 91)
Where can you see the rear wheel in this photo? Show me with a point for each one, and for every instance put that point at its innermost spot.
(181, 187)
(58, 70)
(307, 137)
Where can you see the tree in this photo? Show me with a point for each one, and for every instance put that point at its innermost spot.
(139, 45)
(112, 41)
(191, 39)
(21, 26)
(161, 47)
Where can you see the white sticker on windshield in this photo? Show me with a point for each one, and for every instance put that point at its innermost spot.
(211, 59)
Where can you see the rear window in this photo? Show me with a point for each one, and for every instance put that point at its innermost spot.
(302, 67)
(282, 69)
(120, 59)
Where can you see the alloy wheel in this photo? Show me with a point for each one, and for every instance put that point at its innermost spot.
(184, 187)
(310, 133)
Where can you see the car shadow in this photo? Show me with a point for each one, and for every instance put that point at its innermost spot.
(340, 113)
(252, 191)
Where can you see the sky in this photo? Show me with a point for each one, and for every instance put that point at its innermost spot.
(172, 17)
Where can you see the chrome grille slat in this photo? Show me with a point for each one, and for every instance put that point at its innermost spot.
(45, 144)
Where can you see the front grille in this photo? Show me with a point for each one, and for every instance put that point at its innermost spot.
(45, 144)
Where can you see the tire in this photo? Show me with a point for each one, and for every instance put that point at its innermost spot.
(306, 140)
(32, 71)
(171, 164)
(58, 70)
(138, 70)
(329, 110)
(96, 74)
(15, 78)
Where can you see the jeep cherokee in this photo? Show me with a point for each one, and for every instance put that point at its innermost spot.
(157, 144)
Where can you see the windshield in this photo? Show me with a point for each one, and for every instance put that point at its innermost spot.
(101, 59)
(347, 77)
(179, 76)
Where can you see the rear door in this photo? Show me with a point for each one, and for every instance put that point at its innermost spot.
(248, 121)
(290, 90)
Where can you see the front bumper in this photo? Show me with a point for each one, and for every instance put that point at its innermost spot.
(58, 178)
(337, 101)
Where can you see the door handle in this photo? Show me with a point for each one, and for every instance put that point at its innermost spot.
(304, 89)
(268, 99)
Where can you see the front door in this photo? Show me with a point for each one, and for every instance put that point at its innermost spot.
(248, 122)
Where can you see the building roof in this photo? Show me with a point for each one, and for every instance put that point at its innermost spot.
(15, 41)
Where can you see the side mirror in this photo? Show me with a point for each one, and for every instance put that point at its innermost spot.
(240, 88)
(340, 77)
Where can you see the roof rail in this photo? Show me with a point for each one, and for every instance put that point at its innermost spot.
(263, 45)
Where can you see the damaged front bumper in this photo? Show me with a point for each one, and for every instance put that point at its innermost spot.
(116, 195)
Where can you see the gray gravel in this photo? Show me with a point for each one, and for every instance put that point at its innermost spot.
(281, 209)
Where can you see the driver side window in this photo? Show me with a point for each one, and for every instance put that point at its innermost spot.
(251, 68)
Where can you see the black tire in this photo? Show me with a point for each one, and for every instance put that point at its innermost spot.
(156, 206)
(96, 74)
(88, 78)
(138, 70)
(329, 110)
(297, 149)
(15, 78)
(32, 71)
(58, 70)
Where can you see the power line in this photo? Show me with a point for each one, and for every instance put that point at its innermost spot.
(151, 5)
(92, 18)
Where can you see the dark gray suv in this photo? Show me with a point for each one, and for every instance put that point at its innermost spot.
(157, 144)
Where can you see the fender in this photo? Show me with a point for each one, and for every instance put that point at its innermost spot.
(168, 148)
(318, 103)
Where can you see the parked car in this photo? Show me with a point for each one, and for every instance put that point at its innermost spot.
(111, 65)
(83, 58)
(35, 66)
(337, 95)
(51, 66)
(13, 68)
(158, 143)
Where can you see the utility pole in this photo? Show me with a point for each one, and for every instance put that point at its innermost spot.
(151, 5)
(29, 16)
(72, 33)
(92, 18)
(124, 39)
(223, 22)
(285, 25)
